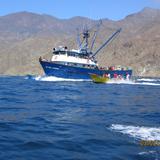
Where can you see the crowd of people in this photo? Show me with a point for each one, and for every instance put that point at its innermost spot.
(117, 77)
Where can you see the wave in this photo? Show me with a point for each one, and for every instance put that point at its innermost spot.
(148, 79)
(147, 83)
(132, 82)
(146, 153)
(142, 133)
(121, 81)
(56, 79)
(151, 82)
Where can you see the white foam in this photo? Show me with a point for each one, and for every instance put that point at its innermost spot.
(148, 79)
(131, 82)
(55, 79)
(142, 133)
(149, 152)
(147, 83)
(112, 81)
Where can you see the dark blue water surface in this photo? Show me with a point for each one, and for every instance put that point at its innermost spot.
(67, 120)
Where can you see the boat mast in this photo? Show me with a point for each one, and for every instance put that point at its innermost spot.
(95, 34)
(84, 43)
(86, 36)
(78, 39)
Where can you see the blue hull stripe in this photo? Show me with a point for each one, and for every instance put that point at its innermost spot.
(63, 71)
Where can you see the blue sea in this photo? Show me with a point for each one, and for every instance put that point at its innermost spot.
(48, 118)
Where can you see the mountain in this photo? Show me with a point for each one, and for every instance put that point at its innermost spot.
(26, 36)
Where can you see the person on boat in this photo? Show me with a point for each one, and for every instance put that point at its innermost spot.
(115, 75)
(106, 75)
(120, 77)
(127, 76)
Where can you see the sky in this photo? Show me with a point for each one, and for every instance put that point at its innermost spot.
(64, 9)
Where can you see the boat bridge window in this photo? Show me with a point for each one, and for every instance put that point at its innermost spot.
(74, 54)
(70, 53)
(59, 52)
(76, 64)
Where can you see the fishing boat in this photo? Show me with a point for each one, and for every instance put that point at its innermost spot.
(99, 79)
(80, 63)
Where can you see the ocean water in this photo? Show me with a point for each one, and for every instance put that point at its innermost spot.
(48, 118)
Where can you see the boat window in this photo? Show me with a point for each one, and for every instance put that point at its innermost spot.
(62, 52)
(56, 52)
(59, 52)
(71, 53)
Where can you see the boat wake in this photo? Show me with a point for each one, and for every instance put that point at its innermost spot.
(151, 82)
(137, 132)
(148, 80)
(142, 81)
(120, 82)
(56, 79)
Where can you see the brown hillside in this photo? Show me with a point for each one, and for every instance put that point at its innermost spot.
(25, 36)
